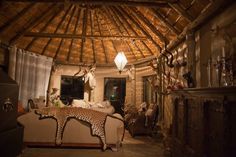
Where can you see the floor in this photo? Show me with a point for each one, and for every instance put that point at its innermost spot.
(140, 146)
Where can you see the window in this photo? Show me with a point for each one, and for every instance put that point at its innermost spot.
(115, 91)
(149, 89)
(72, 87)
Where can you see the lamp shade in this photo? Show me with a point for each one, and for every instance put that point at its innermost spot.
(120, 61)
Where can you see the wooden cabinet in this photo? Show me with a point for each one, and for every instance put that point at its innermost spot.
(204, 122)
(4, 57)
(11, 133)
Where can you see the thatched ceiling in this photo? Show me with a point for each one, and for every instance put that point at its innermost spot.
(88, 31)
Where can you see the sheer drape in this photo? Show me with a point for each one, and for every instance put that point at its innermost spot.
(31, 72)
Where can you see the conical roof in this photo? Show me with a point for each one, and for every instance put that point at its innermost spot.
(89, 31)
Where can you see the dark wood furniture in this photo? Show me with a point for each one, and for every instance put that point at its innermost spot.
(204, 122)
(11, 133)
(143, 124)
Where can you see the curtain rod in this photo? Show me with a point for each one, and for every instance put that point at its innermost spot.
(6, 46)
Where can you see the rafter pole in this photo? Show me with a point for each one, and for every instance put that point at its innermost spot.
(137, 25)
(66, 31)
(13, 20)
(74, 32)
(122, 16)
(58, 26)
(181, 11)
(79, 36)
(167, 23)
(147, 48)
(32, 23)
(118, 27)
(151, 3)
(99, 28)
(84, 30)
(58, 49)
(149, 24)
(92, 26)
(117, 12)
(135, 34)
(44, 27)
(109, 29)
(129, 25)
(208, 13)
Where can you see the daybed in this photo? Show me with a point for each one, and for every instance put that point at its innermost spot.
(42, 132)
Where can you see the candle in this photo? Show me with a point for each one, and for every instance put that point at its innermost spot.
(218, 58)
(223, 51)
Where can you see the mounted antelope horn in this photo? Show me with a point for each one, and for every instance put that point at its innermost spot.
(169, 61)
(163, 54)
(170, 64)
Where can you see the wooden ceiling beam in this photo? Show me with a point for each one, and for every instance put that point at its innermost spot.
(99, 29)
(147, 48)
(138, 49)
(45, 26)
(66, 31)
(92, 27)
(78, 36)
(112, 19)
(13, 20)
(121, 34)
(180, 10)
(84, 30)
(211, 12)
(58, 26)
(128, 24)
(32, 23)
(74, 32)
(150, 25)
(137, 25)
(167, 23)
(150, 3)
(122, 16)
(58, 49)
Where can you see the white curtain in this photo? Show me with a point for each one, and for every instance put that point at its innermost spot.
(31, 72)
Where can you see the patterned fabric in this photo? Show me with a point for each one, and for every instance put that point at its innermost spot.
(95, 118)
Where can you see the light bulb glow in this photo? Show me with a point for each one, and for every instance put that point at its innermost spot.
(120, 61)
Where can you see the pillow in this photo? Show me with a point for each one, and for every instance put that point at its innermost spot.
(32, 105)
(41, 102)
(80, 103)
(96, 104)
(149, 112)
(103, 104)
(151, 106)
(99, 104)
(142, 107)
(106, 103)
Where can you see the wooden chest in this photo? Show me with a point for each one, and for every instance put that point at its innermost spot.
(204, 123)
(8, 102)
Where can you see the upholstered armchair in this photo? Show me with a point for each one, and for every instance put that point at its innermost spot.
(144, 122)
